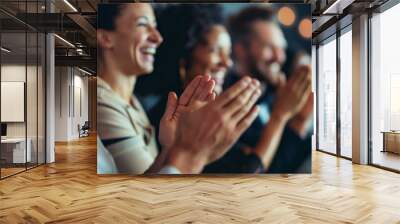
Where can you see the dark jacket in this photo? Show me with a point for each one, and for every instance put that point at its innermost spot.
(293, 154)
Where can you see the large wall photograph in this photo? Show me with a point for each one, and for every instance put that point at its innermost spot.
(222, 88)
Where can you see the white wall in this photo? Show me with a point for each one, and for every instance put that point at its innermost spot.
(71, 102)
(33, 127)
(80, 110)
(12, 73)
(61, 104)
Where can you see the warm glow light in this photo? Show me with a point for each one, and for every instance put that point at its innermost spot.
(286, 16)
(305, 27)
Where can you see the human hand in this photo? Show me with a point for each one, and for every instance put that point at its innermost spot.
(293, 95)
(206, 134)
(195, 95)
(299, 122)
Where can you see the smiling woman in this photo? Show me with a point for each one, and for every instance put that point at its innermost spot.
(136, 39)
(196, 43)
(128, 38)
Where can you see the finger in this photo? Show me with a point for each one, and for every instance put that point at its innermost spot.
(208, 89)
(189, 90)
(199, 90)
(230, 94)
(172, 103)
(305, 95)
(282, 80)
(307, 90)
(240, 101)
(294, 77)
(247, 120)
(238, 116)
(211, 97)
(297, 78)
(311, 98)
(304, 78)
(306, 83)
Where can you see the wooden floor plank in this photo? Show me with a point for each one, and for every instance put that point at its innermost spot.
(70, 191)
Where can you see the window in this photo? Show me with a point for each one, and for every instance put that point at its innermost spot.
(346, 94)
(327, 97)
(385, 89)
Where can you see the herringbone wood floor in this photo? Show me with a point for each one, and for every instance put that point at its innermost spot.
(69, 191)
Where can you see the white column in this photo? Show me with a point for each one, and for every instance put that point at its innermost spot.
(50, 92)
(314, 90)
(360, 90)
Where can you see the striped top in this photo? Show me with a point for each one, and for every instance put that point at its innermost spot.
(125, 131)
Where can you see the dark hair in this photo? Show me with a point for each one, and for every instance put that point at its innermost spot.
(239, 25)
(107, 14)
(183, 27)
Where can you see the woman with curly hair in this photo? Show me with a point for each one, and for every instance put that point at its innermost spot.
(195, 43)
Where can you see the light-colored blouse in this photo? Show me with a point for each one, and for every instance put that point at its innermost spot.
(125, 131)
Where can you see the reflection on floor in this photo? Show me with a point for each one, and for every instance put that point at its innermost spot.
(8, 170)
(70, 191)
(346, 152)
(386, 159)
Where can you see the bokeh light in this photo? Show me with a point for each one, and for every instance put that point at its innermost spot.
(286, 16)
(305, 28)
